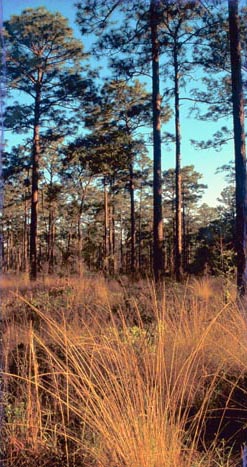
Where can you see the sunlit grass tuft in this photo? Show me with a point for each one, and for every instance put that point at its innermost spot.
(112, 389)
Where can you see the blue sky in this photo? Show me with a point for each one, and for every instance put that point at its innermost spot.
(205, 162)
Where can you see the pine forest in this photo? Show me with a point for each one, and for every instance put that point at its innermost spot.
(123, 235)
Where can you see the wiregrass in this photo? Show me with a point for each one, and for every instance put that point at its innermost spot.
(97, 374)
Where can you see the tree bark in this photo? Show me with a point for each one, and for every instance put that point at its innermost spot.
(51, 240)
(121, 245)
(178, 236)
(111, 239)
(140, 231)
(240, 150)
(106, 228)
(157, 185)
(25, 235)
(184, 235)
(34, 193)
(132, 218)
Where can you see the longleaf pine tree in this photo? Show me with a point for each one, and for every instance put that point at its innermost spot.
(139, 30)
(43, 62)
(239, 146)
(157, 186)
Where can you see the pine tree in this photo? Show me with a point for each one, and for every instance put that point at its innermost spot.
(191, 192)
(129, 112)
(239, 146)
(158, 260)
(41, 53)
(93, 15)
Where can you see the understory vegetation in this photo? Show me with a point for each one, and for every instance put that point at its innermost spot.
(111, 373)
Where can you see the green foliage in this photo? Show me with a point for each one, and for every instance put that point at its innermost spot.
(42, 54)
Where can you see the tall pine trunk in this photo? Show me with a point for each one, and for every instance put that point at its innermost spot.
(115, 262)
(184, 223)
(178, 236)
(106, 228)
(51, 240)
(239, 146)
(140, 231)
(111, 239)
(25, 235)
(157, 184)
(34, 193)
(132, 218)
(121, 245)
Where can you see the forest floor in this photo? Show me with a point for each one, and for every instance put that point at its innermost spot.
(111, 373)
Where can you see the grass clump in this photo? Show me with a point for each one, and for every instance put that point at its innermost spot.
(89, 380)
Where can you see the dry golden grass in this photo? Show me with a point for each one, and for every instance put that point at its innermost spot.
(111, 379)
